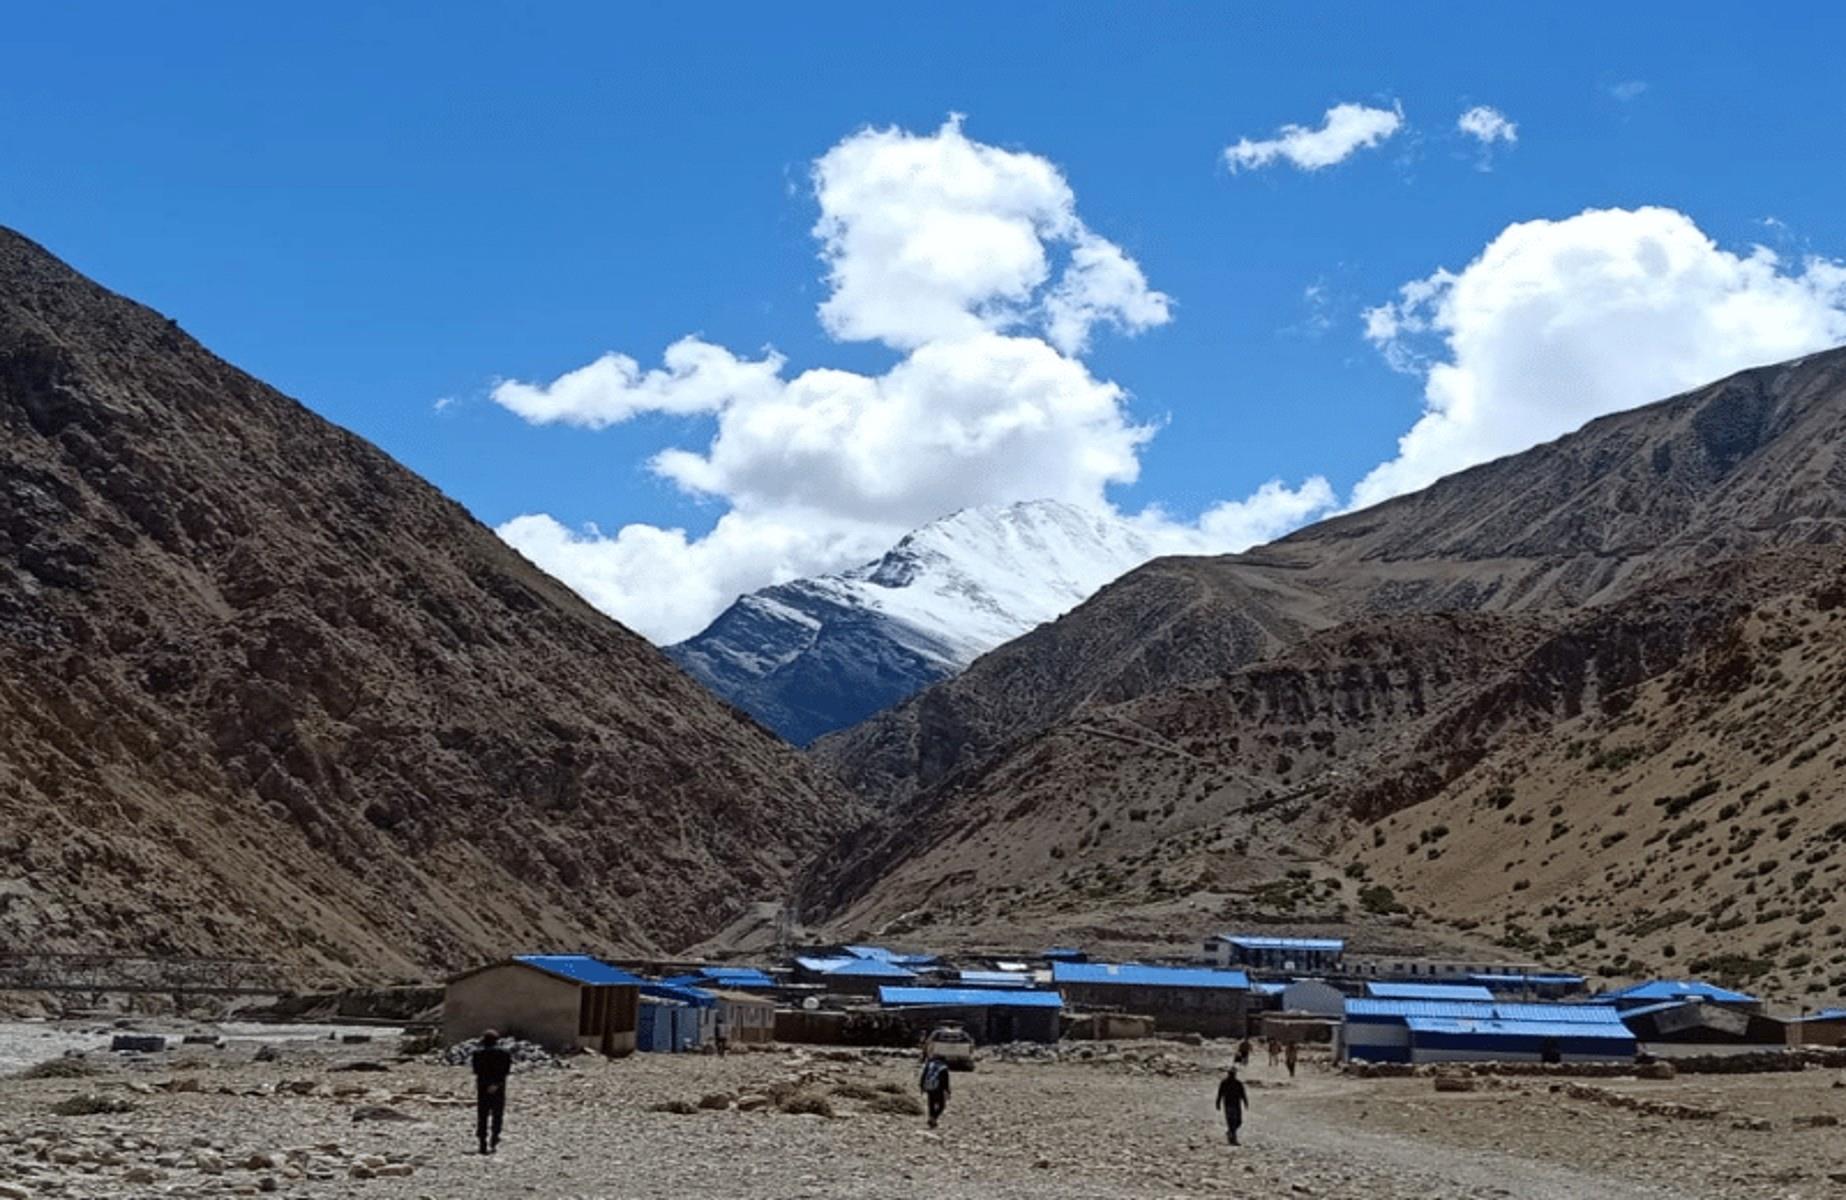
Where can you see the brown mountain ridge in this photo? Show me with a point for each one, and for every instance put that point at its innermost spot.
(264, 692)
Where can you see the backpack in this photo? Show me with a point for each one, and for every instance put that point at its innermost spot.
(932, 1074)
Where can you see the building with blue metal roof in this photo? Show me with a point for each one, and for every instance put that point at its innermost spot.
(1382, 1030)
(1428, 991)
(567, 1002)
(1438, 1039)
(1180, 999)
(859, 976)
(1677, 989)
(1263, 952)
(746, 979)
(994, 979)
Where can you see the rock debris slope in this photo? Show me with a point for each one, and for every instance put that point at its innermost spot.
(265, 692)
(815, 655)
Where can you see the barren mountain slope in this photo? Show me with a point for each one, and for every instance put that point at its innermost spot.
(1754, 461)
(1469, 763)
(264, 692)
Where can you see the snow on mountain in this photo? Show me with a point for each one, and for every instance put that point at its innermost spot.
(818, 654)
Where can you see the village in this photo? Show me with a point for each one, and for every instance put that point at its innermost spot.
(1371, 1075)
(1289, 990)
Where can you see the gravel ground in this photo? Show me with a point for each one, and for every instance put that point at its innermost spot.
(1135, 1123)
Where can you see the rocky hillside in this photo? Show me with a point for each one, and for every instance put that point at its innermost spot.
(1752, 462)
(264, 692)
(1644, 786)
(815, 655)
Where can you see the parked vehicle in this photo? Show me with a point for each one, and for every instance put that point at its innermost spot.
(953, 1044)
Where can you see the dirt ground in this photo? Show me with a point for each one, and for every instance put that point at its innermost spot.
(1136, 1121)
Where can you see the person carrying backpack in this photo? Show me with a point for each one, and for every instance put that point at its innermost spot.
(935, 1085)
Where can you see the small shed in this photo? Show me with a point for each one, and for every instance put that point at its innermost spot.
(744, 1019)
(990, 1015)
(566, 1002)
(1824, 1028)
(1180, 999)
(668, 1026)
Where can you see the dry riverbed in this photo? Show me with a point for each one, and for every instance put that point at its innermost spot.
(1138, 1122)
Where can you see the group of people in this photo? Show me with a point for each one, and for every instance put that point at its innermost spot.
(492, 1064)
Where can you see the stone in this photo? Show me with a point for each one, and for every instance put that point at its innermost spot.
(260, 1161)
(12, 1191)
(401, 1170)
(138, 1043)
(380, 1112)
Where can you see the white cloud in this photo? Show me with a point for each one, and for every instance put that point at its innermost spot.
(1346, 129)
(972, 261)
(1628, 89)
(1266, 514)
(928, 237)
(1487, 125)
(1557, 322)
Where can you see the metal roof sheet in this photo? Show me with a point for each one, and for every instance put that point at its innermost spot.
(995, 978)
(674, 991)
(901, 997)
(1269, 989)
(579, 968)
(738, 976)
(1649, 1009)
(1675, 989)
(1371, 1007)
(1562, 1014)
(1429, 991)
(1825, 1014)
(1556, 977)
(1257, 942)
(863, 968)
(1498, 1028)
(877, 952)
(1139, 975)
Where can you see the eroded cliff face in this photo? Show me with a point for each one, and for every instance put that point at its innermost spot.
(1753, 462)
(1505, 774)
(265, 692)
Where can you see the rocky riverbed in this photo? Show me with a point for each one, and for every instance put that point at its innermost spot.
(335, 1120)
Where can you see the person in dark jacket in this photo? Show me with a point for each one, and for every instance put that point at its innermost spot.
(1233, 1100)
(492, 1064)
(935, 1085)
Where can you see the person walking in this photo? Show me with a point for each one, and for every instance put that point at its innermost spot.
(1242, 1058)
(1232, 1100)
(1288, 1058)
(935, 1085)
(1275, 1054)
(492, 1064)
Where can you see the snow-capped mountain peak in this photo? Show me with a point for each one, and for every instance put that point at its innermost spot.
(817, 654)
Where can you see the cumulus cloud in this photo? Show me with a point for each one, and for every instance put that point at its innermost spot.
(936, 236)
(972, 262)
(1266, 514)
(1487, 125)
(1557, 322)
(1345, 130)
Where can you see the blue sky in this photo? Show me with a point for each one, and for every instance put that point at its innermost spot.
(377, 208)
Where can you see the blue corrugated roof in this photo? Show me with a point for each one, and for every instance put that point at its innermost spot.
(1367, 1007)
(674, 991)
(877, 952)
(1063, 952)
(1138, 975)
(579, 968)
(1253, 942)
(1676, 989)
(1560, 1014)
(1556, 1029)
(745, 977)
(855, 968)
(1000, 979)
(899, 997)
(1563, 1014)
(1649, 1009)
(1825, 1014)
(1429, 991)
